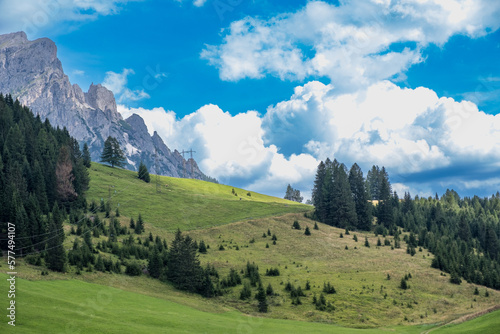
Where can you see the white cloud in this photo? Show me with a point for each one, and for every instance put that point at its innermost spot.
(407, 130)
(117, 83)
(354, 44)
(230, 148)
(199, 3)
(410, 131)
(78, 72)
(36, 17)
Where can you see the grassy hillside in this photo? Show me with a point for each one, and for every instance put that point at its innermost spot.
(184, 203)
(72, 306)
(237, 232)
(364, 298)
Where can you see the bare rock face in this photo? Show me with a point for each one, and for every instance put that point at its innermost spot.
(31, 72)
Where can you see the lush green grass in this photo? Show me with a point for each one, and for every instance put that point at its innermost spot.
(488, 323)
(98, 302)
(184, 203)
(72, 306)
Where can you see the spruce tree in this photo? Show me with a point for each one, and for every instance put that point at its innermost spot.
(385, 207)
(112, 153)
(360, 196)
(262, 299)
(139, 225)
(56, 254)
(87, 162)
(307, 231)
(155, 264)
(143, 173)
(343, 210)
(318, 193)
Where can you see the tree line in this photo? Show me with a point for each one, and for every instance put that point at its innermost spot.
(462, 233)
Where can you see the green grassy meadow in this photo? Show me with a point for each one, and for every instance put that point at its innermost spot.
(72, 306)
(366, 301)
(182, 203)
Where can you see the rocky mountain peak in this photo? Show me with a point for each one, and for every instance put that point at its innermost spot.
(13, 38)
(31, 72)
(99, 97)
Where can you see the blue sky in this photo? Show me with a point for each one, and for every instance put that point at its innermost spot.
(264, 90)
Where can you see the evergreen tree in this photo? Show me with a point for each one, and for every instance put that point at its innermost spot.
(289, 193)
(307, 231)
(56, 254)
(183, 268)
(139, 225)
(112, 153)
(318, 194)
(143, 173)
(269, 290)
(373, 183)
(385, 209)
(360, 196)
(155, 264)
(343, 211)
(202, 248)
(262, 299)
(246, 291)
(87, 161)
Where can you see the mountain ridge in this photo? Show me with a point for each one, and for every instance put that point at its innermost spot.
(31, 72)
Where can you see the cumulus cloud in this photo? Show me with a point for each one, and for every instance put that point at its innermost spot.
(407, 130)
(117, 83)
(35, 17)
(427, 143)
(230, 148)
(354, 44)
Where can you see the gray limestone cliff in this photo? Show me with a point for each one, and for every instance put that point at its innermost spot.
(31, 72)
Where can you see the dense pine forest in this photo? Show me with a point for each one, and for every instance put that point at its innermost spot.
(42, 176)
(462, 233)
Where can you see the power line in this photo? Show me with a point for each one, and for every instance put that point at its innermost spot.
(191, 161)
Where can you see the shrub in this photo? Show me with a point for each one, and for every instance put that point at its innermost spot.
(307, 231)
(246, 292)
(133, 269)
(296, 225)
(404, 285)
(455, 278)
(272, 272)
(328, 288)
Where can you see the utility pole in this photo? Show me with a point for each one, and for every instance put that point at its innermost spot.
(184, 162)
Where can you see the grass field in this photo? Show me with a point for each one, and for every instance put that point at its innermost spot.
(366, 300)
(182, 203)
(486, 324)
(72, 306)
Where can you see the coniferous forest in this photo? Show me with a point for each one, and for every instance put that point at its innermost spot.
(42, 177)
(462, 233)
